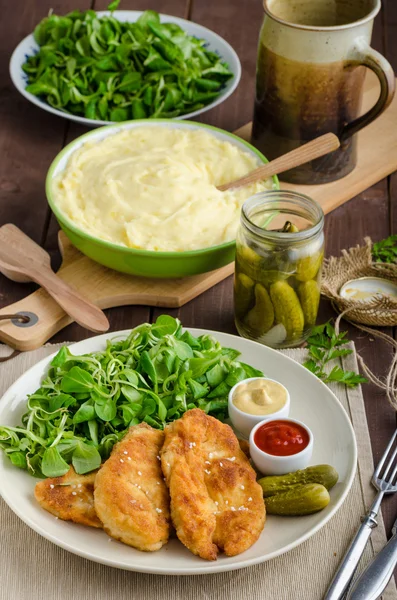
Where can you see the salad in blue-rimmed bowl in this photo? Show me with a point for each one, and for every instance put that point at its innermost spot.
(104, 67)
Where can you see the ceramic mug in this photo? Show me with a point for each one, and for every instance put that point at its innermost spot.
(310, 73)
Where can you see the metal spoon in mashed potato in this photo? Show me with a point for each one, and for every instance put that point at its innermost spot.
(154, 188)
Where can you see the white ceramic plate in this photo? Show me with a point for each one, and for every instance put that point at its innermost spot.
(311, 402)
(215, 43)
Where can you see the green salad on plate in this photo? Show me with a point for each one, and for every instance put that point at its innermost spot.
(86, 403)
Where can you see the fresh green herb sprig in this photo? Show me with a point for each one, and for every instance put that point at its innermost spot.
(102, 68)
(86, 403)
(386, 250)
(325, 345)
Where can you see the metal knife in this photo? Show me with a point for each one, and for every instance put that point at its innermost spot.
(372, 582)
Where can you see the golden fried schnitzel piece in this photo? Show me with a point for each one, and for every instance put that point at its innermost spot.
(245, 447)
(131, 498)
(216, 503)
(70, 497)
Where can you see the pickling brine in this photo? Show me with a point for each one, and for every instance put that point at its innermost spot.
(279, 255)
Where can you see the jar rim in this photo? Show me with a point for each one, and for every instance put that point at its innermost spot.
(326, 28)
(289, 197)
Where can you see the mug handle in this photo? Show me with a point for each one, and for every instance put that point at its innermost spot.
(370, 58)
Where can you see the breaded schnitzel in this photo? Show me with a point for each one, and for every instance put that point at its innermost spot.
(70, 497)
(216, 503)
(131, 498)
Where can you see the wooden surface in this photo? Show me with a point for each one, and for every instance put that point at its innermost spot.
(22, 260)
(102, 286)
(30, 138)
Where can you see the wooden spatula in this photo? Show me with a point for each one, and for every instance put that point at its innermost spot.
(318, 147)
(21, 259)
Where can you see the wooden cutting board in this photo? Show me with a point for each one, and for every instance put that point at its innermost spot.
(377, 158)
(106, 288)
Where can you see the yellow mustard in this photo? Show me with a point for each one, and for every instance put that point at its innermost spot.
(260, 397)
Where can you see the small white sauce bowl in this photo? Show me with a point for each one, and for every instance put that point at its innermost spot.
(243, 421)
(269, 464)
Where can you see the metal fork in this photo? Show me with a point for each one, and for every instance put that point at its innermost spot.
(385, 484)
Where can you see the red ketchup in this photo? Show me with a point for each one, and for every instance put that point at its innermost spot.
(281, 438)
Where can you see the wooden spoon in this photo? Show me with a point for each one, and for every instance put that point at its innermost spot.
(314, 149)
(21, 259)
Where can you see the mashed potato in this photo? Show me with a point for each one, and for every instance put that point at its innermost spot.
(155, 188)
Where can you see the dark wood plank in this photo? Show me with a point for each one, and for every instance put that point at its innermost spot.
(239, 23)
(177, 8)
(29, 139)
(390, 51)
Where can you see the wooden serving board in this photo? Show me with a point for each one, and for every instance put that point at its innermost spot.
(377, 155)
(377, 158)
(106, 288)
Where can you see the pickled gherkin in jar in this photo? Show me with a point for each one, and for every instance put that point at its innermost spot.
(307, 268)
(261, 317)
(244, 295)
(309, 296)
(279, 254)
(287, 309)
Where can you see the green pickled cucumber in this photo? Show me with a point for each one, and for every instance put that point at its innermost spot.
(308, 267)
(249, 262)
(299, 500)
(288, 228)
(276, 484)
(271, 276)
(287, 309)
(260, 318)
(249, 257)
(244, 296)
(309, 296)
(257, 267)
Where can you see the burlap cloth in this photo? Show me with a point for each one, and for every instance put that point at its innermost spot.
(31, 568)
(352, 264)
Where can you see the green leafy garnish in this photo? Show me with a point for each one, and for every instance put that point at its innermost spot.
(86, 403)
(101, 68)
(325, 345)
(386, 250)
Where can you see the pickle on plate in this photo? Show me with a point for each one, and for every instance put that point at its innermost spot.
(276, 484)
(309, 296)
(261, 317)
(287, 309)
(299, 500)
(244, 296)
(308, 267)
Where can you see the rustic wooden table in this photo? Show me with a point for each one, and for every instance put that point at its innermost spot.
(30, 138)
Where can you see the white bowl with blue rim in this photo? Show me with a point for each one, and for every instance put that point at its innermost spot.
(214, 42)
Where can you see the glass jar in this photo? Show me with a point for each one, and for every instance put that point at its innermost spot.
(279, 255)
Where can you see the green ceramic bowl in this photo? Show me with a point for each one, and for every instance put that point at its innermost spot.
(147, 263)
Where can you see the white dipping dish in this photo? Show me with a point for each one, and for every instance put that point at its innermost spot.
(243, 422)
(270, 464)
(368, 288)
